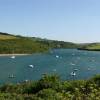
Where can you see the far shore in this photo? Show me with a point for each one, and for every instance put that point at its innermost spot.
(13, 54)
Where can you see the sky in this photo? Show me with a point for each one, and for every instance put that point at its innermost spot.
(67, 20)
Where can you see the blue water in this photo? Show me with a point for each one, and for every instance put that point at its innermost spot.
(60, 61)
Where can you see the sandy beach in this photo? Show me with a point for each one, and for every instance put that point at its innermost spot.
(13, 54)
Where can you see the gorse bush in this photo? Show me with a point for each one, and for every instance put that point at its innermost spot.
(51, 87)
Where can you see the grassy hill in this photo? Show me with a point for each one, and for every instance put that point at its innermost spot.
(4, 36)
(91, 47)
(18, 44)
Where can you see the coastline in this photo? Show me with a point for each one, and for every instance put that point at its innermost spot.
(13, 54)
(88, 49)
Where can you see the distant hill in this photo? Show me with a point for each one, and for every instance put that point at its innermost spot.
(19, 44)
(4, 36)
(91, 47)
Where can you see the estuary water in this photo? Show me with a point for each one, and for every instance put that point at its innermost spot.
(85, 64)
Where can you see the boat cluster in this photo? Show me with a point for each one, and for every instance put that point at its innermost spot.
(12, 75)
(73, 73)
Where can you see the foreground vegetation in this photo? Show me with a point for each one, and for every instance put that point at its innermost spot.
(52, 88)
(18, 44)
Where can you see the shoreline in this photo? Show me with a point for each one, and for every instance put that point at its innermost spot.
(14, 54)
(88, 49)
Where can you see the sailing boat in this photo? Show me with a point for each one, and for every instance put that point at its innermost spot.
(72, 73)
(31, 66)
(11, 76)
(13, 57)
(57, 56)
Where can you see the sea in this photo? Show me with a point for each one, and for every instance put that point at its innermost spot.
(63, 62)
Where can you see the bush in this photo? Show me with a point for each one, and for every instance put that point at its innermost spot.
(50, 87)
(48, 81)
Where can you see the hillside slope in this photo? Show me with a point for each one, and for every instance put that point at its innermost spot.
(4, 36)
(18, 44)
(91, 47)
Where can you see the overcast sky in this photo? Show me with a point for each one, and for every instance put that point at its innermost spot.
(67, 20)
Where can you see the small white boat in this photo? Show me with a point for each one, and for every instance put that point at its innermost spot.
(89, 69)
(13, 57)
(11, 76)
(31, 66)
(85, 53)
(51, 51)
(75, 69)
(93, 60)
(72, 73)
(54, 70)
(72, 64)
(57, 56)
(78, 58)
(26, 80)
(73, 54)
